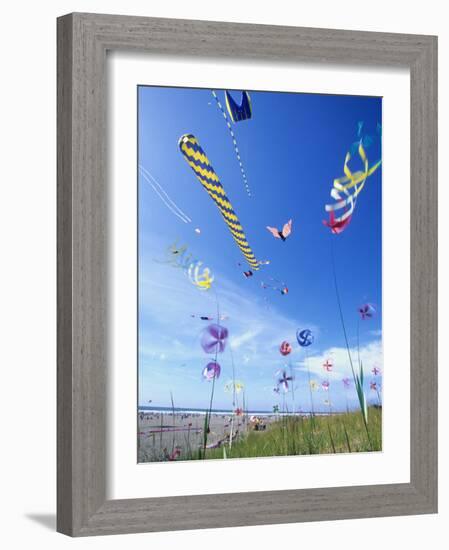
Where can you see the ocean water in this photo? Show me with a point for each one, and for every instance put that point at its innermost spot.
(154, 409)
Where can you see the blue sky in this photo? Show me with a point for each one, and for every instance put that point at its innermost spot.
(292, 149)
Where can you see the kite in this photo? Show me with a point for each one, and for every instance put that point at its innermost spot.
(350, 185)
(202, 280)
(375, 371)
(161, 193)
(203, 317)
(284, 380)
(346, 383)
(327, 365)
(367, 311)
(366, 139)
(211, 370)
(325, 385)
(285, 348)
(238, 112)
(275, 409)
(213, 339)
(313, 385)
(373, 386)
(305, 337)
(232, 386)
(209, 317)
(178, 257)
(196, 158)
(278, 285)
(281, 234)
(234, 140)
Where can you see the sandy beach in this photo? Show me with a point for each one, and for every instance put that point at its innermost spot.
(160, 434)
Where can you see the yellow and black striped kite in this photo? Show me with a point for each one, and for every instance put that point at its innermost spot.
(198, 161)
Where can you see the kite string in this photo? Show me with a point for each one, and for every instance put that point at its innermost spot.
(209, 413)
(162, 191)
(310, 385)
(162, 194)
(337, 293)
(234, 142)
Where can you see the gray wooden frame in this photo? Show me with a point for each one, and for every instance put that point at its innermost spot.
(83, 40)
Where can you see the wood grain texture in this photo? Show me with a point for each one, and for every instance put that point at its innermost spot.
(83, 40)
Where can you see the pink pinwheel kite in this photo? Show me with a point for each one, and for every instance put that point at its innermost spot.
(211, 370)
(214, 338)
(327, 365)
(373, 386)
(325, 385)
(285, 348)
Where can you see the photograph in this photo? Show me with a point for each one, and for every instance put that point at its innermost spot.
(259, 274)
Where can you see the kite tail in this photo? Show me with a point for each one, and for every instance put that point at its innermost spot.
(197, 159)
(234, 143)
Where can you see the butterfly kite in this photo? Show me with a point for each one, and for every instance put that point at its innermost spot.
(281, 234)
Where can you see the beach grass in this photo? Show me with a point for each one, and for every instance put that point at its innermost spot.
(296, 435)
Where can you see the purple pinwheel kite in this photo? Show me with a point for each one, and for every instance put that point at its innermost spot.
(284, 380)
(367, 311)
(214, 338)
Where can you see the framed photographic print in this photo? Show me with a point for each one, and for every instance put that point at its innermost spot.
(246, 274)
